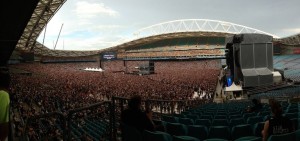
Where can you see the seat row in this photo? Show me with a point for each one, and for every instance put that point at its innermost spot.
(213, 122)
(179, 132)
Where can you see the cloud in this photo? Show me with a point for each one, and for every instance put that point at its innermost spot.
(86, 10)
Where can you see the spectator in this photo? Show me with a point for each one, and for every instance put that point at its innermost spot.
(257, 106)
(135, 117)
(277, 124)
(4, 105)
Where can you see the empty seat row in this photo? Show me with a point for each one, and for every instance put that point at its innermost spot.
(215, 122)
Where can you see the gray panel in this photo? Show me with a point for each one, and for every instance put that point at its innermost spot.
(249, 72)
(270, 56)
(265, 76)
(263, 71)
(246, 56)
(256, 38)
(250, 77)
(260, 51)
(251, 81)
(266, 79)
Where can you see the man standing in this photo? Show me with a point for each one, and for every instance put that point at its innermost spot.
(4, 105)
(135, 117)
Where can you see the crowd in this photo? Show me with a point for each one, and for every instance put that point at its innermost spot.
(61, 87)
(175, 53)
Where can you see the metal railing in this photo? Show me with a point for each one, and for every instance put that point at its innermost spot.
(97, 115)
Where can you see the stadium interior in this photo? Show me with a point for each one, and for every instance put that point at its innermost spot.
(196, 82)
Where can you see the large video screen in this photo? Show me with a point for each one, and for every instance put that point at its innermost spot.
(108, 56)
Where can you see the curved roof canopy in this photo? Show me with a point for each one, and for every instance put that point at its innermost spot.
(42, 14)
(192, 25)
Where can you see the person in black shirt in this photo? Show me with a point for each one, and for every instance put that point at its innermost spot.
(277, 124)
(135, 117)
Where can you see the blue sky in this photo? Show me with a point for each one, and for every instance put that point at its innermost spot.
(98, 24)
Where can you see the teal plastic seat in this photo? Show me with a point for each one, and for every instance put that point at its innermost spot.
(215, 140)
(176, 129)
(247, 115)
(193, 116)
(206, 117)
(204, 122)
(220, 122)
(253, 120)
(184, 138)
(221, 132)
(257, 128)
(156, 136)
(243, 130)
(198, 131)
(236, 121)
(291, 115)
(220, 117)
(170, 119)
(186, 121)
(284, 137)
(249, 139)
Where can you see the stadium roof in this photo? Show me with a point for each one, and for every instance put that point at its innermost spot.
(14, 15)
(45, 10)
(42, 14)
(165, 30)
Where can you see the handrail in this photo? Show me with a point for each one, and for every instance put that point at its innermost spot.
(71, 112)
(30, 119)
(67, 118)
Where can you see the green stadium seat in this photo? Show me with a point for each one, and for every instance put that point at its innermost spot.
(253, 120)
(192, 116)
(184, 138)
(206, 117)
(170, 119)
(176, 129)
(220, 117)
(215, 140)
(220, 122)
(204, 122)
(186, 121)
(249, 139)
(239, 131)
(247, 115)
(198, 131)
(285, 137)
(291, 115)
(236, 121)
(156, 136)
(257, 128)
(221, 132)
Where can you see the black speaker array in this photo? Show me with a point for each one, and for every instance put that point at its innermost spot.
(151, 67)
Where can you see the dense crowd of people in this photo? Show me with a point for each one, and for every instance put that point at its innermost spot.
(175, 53)
(61, 87)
